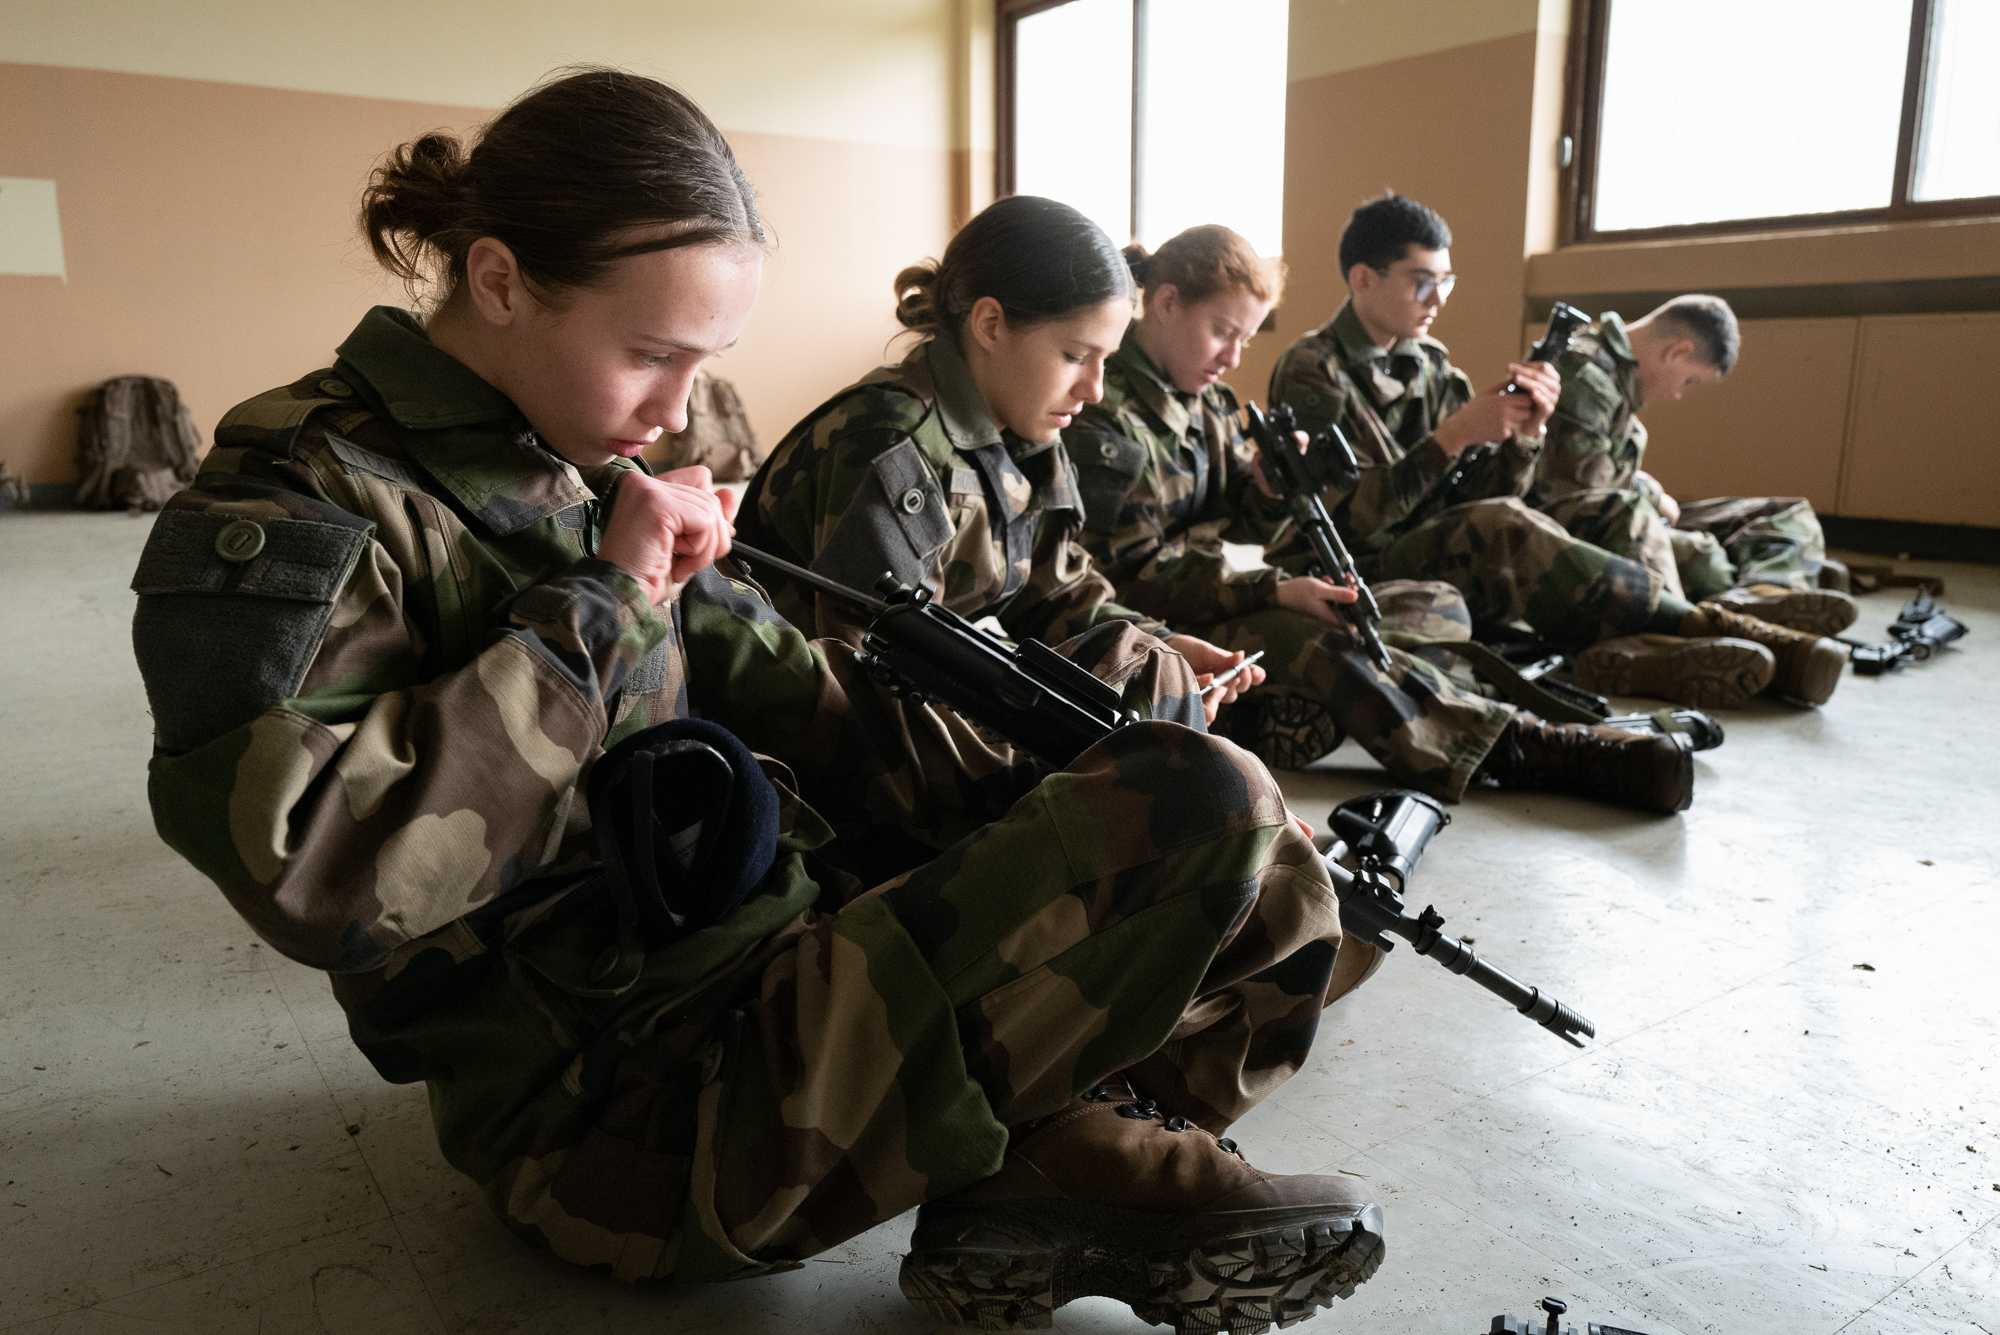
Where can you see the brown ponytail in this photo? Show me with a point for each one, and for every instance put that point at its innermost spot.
(1204, 261)
(1038, 258)
(563, 178)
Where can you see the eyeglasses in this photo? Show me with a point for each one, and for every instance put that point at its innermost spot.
(1438, 285)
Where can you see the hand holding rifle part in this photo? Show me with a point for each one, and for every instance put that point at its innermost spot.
(1298, 477)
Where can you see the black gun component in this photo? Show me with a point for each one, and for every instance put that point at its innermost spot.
(1919, 631)
(1555, 1307)
(1386, 833)
(1564, 322)
(1285, 469)
(1028, 693)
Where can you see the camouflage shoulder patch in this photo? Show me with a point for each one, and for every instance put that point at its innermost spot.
(1589, 395)
(900, 530)
(271, 421)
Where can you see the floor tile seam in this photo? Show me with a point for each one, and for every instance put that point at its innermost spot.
(1940, 1259)
(39, 1320)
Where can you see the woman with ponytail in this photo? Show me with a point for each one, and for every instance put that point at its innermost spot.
(1168, 477)
(946, 469)
(452, 702)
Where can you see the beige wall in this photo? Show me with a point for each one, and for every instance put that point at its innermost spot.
(208, 158)
(1459, 103)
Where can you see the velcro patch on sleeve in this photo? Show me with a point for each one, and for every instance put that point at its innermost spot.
(231, 612)
(898, 524)
(1107, 464)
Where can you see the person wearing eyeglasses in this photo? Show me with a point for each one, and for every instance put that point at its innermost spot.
(1167, 477)
(1429, 505)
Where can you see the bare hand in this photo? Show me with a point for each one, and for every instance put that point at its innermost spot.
(1257, 467)
(1314, 596)
(1496, 414)
(1208, 661)
(666, 529)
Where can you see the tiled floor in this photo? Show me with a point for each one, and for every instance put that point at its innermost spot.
(1767, 1137)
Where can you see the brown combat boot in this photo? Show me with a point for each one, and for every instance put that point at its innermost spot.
(1109, 1197)
(1653, 771)
(1815, 611)
(1809, 666)
(1707, 673)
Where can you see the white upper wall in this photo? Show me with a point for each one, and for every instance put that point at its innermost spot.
(869, 71)
(1329, 36)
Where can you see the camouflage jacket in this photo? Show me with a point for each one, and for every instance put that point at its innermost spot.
(1388, 402)
(1596, 440)
(381, 659)
(1166, 481)
(906, 472)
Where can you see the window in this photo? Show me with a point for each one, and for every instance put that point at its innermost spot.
(1729, 115)
(1150, 116)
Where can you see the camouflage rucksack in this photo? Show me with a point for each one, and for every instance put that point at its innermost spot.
(135, 445)
(718, 434)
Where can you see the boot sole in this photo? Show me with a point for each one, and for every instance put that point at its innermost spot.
(1013, 1267)
(1707, 674)
(1814, 611)
(1818, 673)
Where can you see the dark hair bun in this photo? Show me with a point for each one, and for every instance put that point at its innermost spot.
(1038, 258)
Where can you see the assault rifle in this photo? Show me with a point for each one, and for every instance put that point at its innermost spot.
(1386, 833)
(1028, 693)
(1564, 322)
(1555, 1307)
(1292, 475)
(1919, 630)
(1053, 709)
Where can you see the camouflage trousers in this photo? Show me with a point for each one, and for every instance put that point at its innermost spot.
(1518, 567)
(1153, 903)
(1321, 686)
(1715, 545)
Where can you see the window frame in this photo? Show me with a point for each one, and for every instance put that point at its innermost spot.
(1583, 112)
(1007, 15)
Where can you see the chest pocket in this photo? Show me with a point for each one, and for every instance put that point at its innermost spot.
(231, 613)
(1107, 466)
(897, 521)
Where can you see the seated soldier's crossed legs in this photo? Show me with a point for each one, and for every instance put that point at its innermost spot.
(1771, 555)
(1517, 566)
(1624, 523)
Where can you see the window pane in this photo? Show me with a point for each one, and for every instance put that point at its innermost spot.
(1958, 149)
(1073, 109)
(1719, 109)
(1213, 143)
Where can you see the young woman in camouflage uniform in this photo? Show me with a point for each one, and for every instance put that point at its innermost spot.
(391, 630)
(1167, 478)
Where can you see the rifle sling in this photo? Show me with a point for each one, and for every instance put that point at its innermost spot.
(1515, 688)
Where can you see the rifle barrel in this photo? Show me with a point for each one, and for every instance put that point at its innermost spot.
(873, 606)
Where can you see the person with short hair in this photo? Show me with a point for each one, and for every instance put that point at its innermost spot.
(420, 615)
(1168, 478)
(1761, 555)
(1427, 507)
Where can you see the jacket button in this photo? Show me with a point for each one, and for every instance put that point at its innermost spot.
(913, 500)
(1108, 450)
(240, 541)
(335, 389)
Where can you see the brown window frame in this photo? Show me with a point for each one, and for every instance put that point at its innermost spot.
(1007, 15)
(1583, 111)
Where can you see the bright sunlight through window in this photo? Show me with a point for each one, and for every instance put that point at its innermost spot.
(1958, 140)
(1210, 146)
(1723, 109)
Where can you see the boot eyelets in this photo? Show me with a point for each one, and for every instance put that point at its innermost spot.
(1138, 1112)
(1229, 1146)
(1095, 1094)
(1177, 1123)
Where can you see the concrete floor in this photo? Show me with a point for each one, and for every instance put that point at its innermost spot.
(1767, 1136)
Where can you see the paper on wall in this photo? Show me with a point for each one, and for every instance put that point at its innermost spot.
(30, 231)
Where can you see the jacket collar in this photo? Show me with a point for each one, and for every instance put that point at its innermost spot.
(1149, 384)
(463, 431)
(1354, 344)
